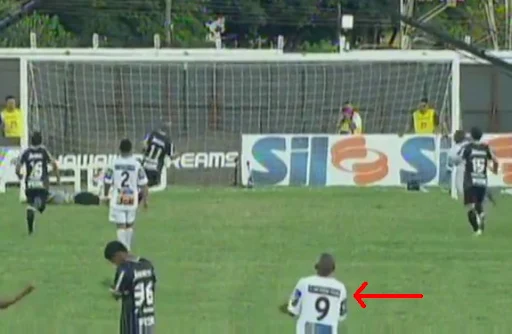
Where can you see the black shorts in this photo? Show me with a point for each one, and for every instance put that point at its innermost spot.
(153, 177)
(474, 195)
(37, 198)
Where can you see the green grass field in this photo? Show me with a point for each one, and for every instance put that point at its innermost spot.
(227, 258)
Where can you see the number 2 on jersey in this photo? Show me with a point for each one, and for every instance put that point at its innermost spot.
(125, 176)
(143, 294)
(322, 306)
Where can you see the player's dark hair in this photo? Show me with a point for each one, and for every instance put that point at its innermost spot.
(424, 100)
(112, 248)
(125, 146)
(476, 133)
(8, 97)
(325, 265)
(346, 102)
(459, 136)
(36, 138)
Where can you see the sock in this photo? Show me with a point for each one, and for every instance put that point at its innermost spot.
(473, 220)
(121, 236)
(480, 215)
(129, 236)
(31, 216)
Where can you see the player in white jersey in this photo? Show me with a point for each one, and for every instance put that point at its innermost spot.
(319, 302)
(125, 176)
(455, 160)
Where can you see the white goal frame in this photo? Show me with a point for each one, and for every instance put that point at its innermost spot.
(214, 55)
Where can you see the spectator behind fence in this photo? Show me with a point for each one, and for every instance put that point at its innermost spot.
(424, 120)
(350, 121)
(12, 121)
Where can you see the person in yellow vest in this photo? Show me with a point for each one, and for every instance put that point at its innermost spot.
(350, 121)
(424, 120)
(12, 119)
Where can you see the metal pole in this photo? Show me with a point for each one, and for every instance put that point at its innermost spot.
(338, 28)
(507, 25)
(168, 22)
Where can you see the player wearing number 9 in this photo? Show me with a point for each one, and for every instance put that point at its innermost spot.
(134, 284)
(319, 301)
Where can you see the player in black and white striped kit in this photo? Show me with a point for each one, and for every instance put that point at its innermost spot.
(36, 159)
(476, 156)
(157, 146)
(457, 165)
(134, 284)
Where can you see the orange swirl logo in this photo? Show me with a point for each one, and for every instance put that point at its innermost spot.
(364, 172)
(502, 147)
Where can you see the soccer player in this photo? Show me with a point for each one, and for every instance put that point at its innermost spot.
(134, 284)
(319, 301)
(125, 176)
(476, 156)
(455, 160)
(157, 146)
(36, 159)
(81, 198)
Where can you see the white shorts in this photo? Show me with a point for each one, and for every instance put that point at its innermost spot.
(122, 216)
(459, 182)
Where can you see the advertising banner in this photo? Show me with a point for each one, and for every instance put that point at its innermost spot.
(370, 160)
(93, 163)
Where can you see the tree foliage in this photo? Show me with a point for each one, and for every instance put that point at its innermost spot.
(48, 30)
(307, 25)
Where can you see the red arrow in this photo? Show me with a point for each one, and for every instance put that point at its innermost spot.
(358, 295)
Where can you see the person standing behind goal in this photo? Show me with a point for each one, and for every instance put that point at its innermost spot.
(126, 176)
(157, 146)
(424, 120)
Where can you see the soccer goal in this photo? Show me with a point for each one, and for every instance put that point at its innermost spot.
(85, 101)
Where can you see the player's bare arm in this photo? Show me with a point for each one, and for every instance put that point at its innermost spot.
(495, 163)
(284, 309)
(145, 195)
(107, 183)
(55, 167)
(5, 303)
(19, 164)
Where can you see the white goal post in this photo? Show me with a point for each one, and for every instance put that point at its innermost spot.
(85, 100)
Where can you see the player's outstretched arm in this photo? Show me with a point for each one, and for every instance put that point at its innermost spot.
(56, 170)
(5, 303)
(55, 166)
(145, 195)
(284, 309)
(19, 164)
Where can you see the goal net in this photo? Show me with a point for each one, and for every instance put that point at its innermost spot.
(84, 107)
